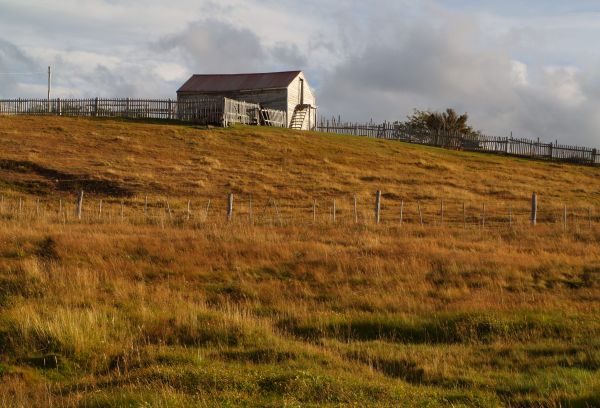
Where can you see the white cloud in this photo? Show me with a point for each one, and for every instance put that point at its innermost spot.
(519, 73)
(171, 72)
(564, 84)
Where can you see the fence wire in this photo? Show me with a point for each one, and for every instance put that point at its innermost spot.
(341, 211)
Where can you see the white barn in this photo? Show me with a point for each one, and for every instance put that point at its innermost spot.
(287, 91)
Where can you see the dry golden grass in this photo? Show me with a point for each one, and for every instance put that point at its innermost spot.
(183, 162)
(106, 312)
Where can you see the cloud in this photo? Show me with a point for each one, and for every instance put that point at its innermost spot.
(424, 65)
(211, 46)
(289, 55)
(15, 68)
(519, 73)
(442, 64)
(216, 46)
(565, 85)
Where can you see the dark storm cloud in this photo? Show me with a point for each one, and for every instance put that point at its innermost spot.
(210, 46)
(288, 55)
(442, 65)
(215, 46)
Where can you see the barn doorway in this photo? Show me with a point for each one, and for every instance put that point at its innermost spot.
(301, 101)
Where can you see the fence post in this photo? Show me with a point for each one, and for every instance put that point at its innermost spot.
(79, 205)
(170, 114)
(534, 203)
(594, 154)
(206, 212)
(483, 217)
(96, 107)
(401, 212)
(250, 211)
(333, 213)
(170, 212)
(230, 207)
(278, 213)
(377, 206)
(59, 107)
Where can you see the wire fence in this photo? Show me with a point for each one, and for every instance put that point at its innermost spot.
(342, 211)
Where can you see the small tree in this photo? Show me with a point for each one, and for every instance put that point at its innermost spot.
(440, 125)
(417, 122)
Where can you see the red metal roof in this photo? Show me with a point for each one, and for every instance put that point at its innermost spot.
(238, 82)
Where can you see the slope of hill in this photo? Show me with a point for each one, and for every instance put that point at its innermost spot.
(128, 158)
(124, 312)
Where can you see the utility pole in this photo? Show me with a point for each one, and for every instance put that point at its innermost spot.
(49, 81)
(49, 86)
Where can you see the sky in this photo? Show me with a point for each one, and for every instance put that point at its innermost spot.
(527, 67)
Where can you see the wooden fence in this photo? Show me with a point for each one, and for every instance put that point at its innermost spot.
(487, 144)
(206, 111)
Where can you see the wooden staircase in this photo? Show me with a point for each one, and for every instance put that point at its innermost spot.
(299, 116)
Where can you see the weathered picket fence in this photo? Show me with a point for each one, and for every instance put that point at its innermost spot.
(487, 144)
(206, 111)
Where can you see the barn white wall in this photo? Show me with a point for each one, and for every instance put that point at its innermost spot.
(293, 99)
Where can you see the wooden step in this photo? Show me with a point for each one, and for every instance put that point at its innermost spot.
(298, 117)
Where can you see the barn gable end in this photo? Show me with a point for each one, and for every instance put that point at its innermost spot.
(295, 98)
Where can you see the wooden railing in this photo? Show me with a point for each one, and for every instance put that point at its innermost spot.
(487, 144)
(215, 110)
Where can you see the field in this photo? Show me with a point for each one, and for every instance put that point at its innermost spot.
(164, 311)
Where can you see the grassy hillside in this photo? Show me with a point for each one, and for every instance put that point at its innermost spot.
(130, 313)
(181, 161)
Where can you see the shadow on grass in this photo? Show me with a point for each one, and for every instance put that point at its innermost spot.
(443, 329)
(60, 180)
(257, 356)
